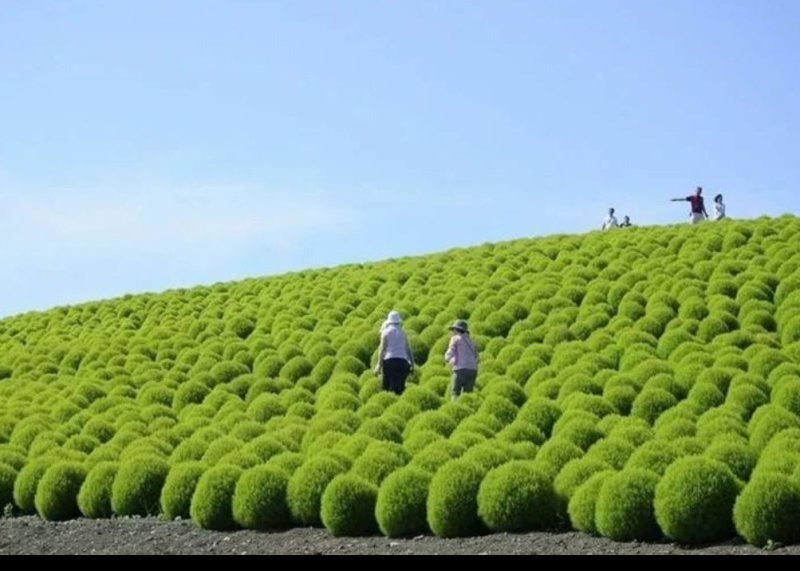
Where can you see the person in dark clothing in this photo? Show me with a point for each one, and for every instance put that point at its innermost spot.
(698, 208)
(626, 222)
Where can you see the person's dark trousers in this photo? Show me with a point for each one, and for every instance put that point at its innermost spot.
(395, 372)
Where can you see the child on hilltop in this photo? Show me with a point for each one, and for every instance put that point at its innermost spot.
(719, 208)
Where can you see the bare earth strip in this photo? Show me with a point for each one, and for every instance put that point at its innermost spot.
(30, 535)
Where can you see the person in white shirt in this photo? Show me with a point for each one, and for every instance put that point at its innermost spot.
(462, 356)
(395, 359)
(610, 221)
(719, 208)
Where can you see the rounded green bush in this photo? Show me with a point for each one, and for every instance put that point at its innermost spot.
(27, 482)
(651, 403)
(694, 501)
(213, 497)
(574, 474)
(768, 509)
(555, 454)
(179, 487)
(57, 493)
(137, 486)
(348, 506)
(259, 501)
(377, 463)
(768, 421)
(582, 433)
(453, 500)
(517, 496)
(582, 505)
(612, 451)
(541, 412)
(306, 486)
(7, 477)
(401, 504)
(624, 510)
(94, 498)
(735, 454)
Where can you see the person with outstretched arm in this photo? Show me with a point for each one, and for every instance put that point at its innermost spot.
(462, 356)
(395, 359)
(610, 221)
(698, 208)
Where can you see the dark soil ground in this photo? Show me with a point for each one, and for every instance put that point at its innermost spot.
(30, 535)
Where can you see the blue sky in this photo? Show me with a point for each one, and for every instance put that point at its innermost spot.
(149, 144)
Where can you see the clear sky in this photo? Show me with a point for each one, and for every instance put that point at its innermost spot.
(151, 144)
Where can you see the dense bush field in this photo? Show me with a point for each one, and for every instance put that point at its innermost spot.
(637, 384)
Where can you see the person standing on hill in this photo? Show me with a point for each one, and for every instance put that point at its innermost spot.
(719, 208)
(395, 359)
(610, 221)
(698, 207)
(626, 222)
(462, 356)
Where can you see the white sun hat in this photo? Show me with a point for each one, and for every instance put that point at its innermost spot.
(394, 318)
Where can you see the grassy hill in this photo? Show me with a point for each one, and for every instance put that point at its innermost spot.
(636, 383)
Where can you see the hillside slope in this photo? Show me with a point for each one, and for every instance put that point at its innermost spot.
(633, 383)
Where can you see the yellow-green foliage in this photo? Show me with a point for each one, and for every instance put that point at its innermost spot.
(630, 350)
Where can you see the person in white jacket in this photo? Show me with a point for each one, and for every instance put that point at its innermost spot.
(462, 356)
(610, 221)
(395, 359)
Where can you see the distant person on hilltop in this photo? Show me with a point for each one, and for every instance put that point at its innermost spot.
(626, 222)
(610, 221)
(395, 358)
(698, 207)
(462, 356)
(719, 208)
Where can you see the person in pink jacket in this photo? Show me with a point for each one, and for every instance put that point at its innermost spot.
(462, 356)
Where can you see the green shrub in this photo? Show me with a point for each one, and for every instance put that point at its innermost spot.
(655, 456)
(651, 403)
(94, 498)
(555, 454)
(581, 432)
(540, 412)
(378, 462)
(348, 506)
(735, 454)
(517, 496)
(137, 486)
(624, 509)
(771, 421)
(453, 500)
(769, 510)
(179, 487)
(259, 500)
(401, 504)
(574, 474)
(7, 477)
(57, 493)
(306, 486)
(705, 396)
(213, 497)
(582, 506)
(694, 501)
(612, 451)
(27, 482)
